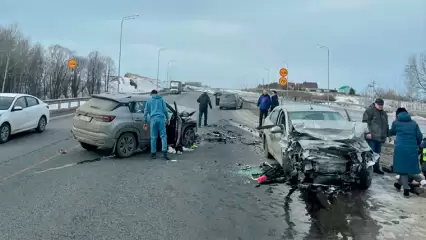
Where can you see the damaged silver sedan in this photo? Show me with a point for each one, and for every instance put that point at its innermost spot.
(317, 145)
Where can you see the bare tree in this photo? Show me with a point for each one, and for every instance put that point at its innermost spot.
(43, 72)
(415, 75)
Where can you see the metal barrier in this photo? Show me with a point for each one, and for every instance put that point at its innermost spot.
(69, 105)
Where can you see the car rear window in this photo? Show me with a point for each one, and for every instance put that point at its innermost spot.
(229, 96)
(100, 104)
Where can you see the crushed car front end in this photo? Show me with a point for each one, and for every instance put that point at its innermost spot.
(320, 152)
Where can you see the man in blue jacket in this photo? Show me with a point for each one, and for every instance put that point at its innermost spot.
(157, 110)
(264, 103)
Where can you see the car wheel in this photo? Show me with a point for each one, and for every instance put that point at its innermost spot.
(265, 149)
(188, 137)
(126, 145)
(220, 108)
(41, 124)
(88, 147)
(4, 132)
(365, 178)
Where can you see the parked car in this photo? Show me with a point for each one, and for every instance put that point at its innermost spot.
(21, 112)
(115, 121)
(317, 145)
(230, 100)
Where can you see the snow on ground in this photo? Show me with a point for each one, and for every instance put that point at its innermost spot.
(347, 99)
(144, 85)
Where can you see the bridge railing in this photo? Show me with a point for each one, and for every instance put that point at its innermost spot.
(69, 105)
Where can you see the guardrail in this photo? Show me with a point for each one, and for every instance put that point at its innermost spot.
(69, 105)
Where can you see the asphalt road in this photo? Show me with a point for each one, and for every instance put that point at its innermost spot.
(46, 194)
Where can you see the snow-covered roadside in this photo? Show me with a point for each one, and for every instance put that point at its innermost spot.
(141, 85)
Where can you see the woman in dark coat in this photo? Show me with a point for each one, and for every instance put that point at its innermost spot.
(405, 156)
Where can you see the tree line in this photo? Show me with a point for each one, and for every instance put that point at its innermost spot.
(43, 71)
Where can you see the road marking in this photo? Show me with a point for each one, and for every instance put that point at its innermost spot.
(55, 168)
(36, 164)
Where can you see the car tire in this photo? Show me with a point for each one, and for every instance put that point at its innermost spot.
(126, 145)
(4, 133)
(188, 137)
(220, 108)
(266, 153)
(88, 147)
(42, 122)
(365, 178)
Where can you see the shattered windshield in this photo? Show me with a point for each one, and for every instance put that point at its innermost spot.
(5, 102)
(317, 115)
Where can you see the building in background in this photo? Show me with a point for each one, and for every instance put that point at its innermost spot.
(344, 89)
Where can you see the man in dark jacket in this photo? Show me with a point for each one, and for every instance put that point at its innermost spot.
(264, 103)
(274, 100)
(204, 103)
(378, 127)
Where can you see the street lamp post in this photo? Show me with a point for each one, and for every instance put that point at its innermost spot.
(121, 39)
(168, 68)
(328, 71)
(158, 64)
(268, 80)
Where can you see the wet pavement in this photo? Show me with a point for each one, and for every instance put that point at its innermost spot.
(53, 189)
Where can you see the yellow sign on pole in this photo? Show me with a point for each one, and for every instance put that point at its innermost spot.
(283, 72)
(283, 81)
(72, 63)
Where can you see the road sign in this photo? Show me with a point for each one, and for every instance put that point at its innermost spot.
(283, 81)
(72, 63)
(283, 72)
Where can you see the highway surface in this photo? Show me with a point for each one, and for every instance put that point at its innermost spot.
(47, 194)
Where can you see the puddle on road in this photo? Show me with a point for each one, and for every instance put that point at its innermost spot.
(378, 213)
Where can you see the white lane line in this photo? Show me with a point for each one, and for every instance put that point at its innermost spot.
(56, 168)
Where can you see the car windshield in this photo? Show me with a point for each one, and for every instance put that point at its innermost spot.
(316, 115)
(5, 102)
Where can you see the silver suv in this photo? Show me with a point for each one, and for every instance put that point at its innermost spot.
(115, 121)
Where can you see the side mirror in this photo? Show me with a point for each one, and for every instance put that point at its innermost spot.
(17, 108)
(277, 129)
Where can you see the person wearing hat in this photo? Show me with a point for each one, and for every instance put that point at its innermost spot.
(156, 109)
(378, 129)
(274, 100)
(405, 156)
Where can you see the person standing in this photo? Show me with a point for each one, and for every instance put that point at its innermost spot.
(377, 122)
(264, 103)
(204, 103)
(405, 156)
(156, 109)
(274, 100)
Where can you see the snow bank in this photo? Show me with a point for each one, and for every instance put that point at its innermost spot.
(142, 85)
(347, 99)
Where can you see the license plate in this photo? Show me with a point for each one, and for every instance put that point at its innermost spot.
(85, 118)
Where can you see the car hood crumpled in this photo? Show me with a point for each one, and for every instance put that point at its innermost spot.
(327, 130)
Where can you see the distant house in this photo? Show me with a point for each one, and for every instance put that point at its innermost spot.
(344, 89)
(307, 86)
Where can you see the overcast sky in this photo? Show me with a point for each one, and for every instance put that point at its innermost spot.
(231, 43)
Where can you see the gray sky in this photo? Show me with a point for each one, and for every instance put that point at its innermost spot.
(230, 43)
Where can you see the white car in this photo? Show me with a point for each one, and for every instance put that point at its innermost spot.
(21, 112)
